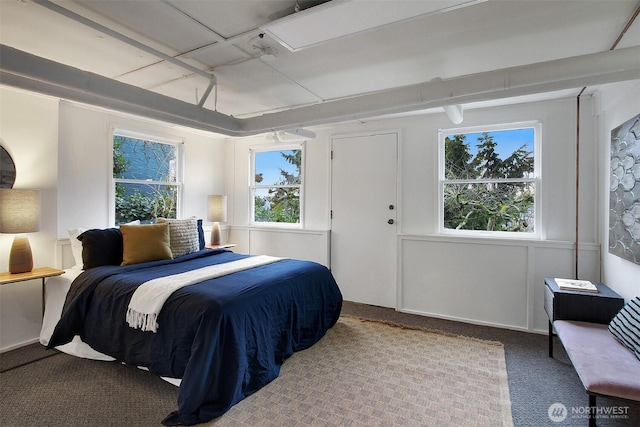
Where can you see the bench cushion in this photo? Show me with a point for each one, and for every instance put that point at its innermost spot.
(603, 364)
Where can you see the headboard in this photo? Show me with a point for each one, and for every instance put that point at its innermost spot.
(64, 255)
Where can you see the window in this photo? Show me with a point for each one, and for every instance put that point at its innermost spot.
(276, 185)
(488, 180)
(146, 178)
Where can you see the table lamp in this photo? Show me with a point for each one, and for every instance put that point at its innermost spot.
(217, 213)
(19, 214)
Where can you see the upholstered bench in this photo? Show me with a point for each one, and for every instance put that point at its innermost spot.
(605, 366)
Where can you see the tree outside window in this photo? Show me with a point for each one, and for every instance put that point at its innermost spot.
(488, 181)
(276, 185)
(145, 176)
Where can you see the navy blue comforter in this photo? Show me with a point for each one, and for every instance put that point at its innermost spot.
(225, 337)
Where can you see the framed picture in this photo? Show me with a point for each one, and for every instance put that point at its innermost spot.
(7, 169)
(624, 195)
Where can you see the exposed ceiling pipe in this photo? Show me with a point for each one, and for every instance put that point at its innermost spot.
(569, 73)
(633, 17)
(29, 72)
(128, 40)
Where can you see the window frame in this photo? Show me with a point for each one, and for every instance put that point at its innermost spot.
(253, 187)
(536, 180)
(180, 167)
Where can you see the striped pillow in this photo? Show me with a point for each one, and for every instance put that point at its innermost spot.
(625, 326)
(184, 235)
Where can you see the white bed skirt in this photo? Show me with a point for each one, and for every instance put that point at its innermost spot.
(56, 289)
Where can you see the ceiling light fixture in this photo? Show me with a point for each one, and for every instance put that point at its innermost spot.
(265, 52)
(293, 135)
(340, 18)
(268, 54)
(454, 112)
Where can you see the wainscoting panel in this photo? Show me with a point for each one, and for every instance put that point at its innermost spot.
(312, 245)
(482, 281)
(492, 282)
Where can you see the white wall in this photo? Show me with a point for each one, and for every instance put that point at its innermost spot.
(64, 149)
(310, 242)
(617, 104)
(419, 167)
(76, 195)
(316, 185)
(497, 282)
(84, 163)
(29, 132)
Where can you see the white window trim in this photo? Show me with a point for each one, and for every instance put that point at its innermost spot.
(252, 187)
(536, 180)
(179, 143)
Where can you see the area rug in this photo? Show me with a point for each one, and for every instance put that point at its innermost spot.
(369, 373)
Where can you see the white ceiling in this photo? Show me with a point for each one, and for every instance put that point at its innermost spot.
(221, 37)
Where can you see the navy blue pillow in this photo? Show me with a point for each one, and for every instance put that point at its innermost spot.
(101, 247)
(201, 234)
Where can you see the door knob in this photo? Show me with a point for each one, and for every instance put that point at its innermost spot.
(391, 207)
(391, 221)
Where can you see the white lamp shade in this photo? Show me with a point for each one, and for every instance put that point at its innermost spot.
(217, 208)
(19, 211)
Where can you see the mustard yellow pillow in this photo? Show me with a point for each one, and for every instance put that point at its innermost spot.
(144, 243)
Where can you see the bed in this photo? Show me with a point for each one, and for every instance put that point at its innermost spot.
(221, 336)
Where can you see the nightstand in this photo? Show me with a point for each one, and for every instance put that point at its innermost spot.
(594, 307)
(36, 273)
(223, 246)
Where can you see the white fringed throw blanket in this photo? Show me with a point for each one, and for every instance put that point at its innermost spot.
(148, 298)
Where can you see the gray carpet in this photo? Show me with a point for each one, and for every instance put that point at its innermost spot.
(110, 394)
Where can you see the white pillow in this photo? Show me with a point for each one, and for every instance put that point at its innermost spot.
(76, 246)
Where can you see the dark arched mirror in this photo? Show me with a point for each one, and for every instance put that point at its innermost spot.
(7, 169)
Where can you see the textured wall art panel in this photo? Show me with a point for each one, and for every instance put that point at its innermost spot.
(624, 199)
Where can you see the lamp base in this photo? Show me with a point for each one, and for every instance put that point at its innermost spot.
(20, 258)
(215, 234)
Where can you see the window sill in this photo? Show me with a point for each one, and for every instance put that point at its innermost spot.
(283, 225)
(492, 235)
(496, 241)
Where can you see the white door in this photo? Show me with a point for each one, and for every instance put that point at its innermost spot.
(363, 222)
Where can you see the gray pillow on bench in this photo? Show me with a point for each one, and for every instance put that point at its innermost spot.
(625, 326)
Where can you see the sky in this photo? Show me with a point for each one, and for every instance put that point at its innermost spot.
(508, 141)
(270, 163)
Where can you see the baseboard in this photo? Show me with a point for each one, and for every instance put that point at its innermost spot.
(20, 345)
(473, 322)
